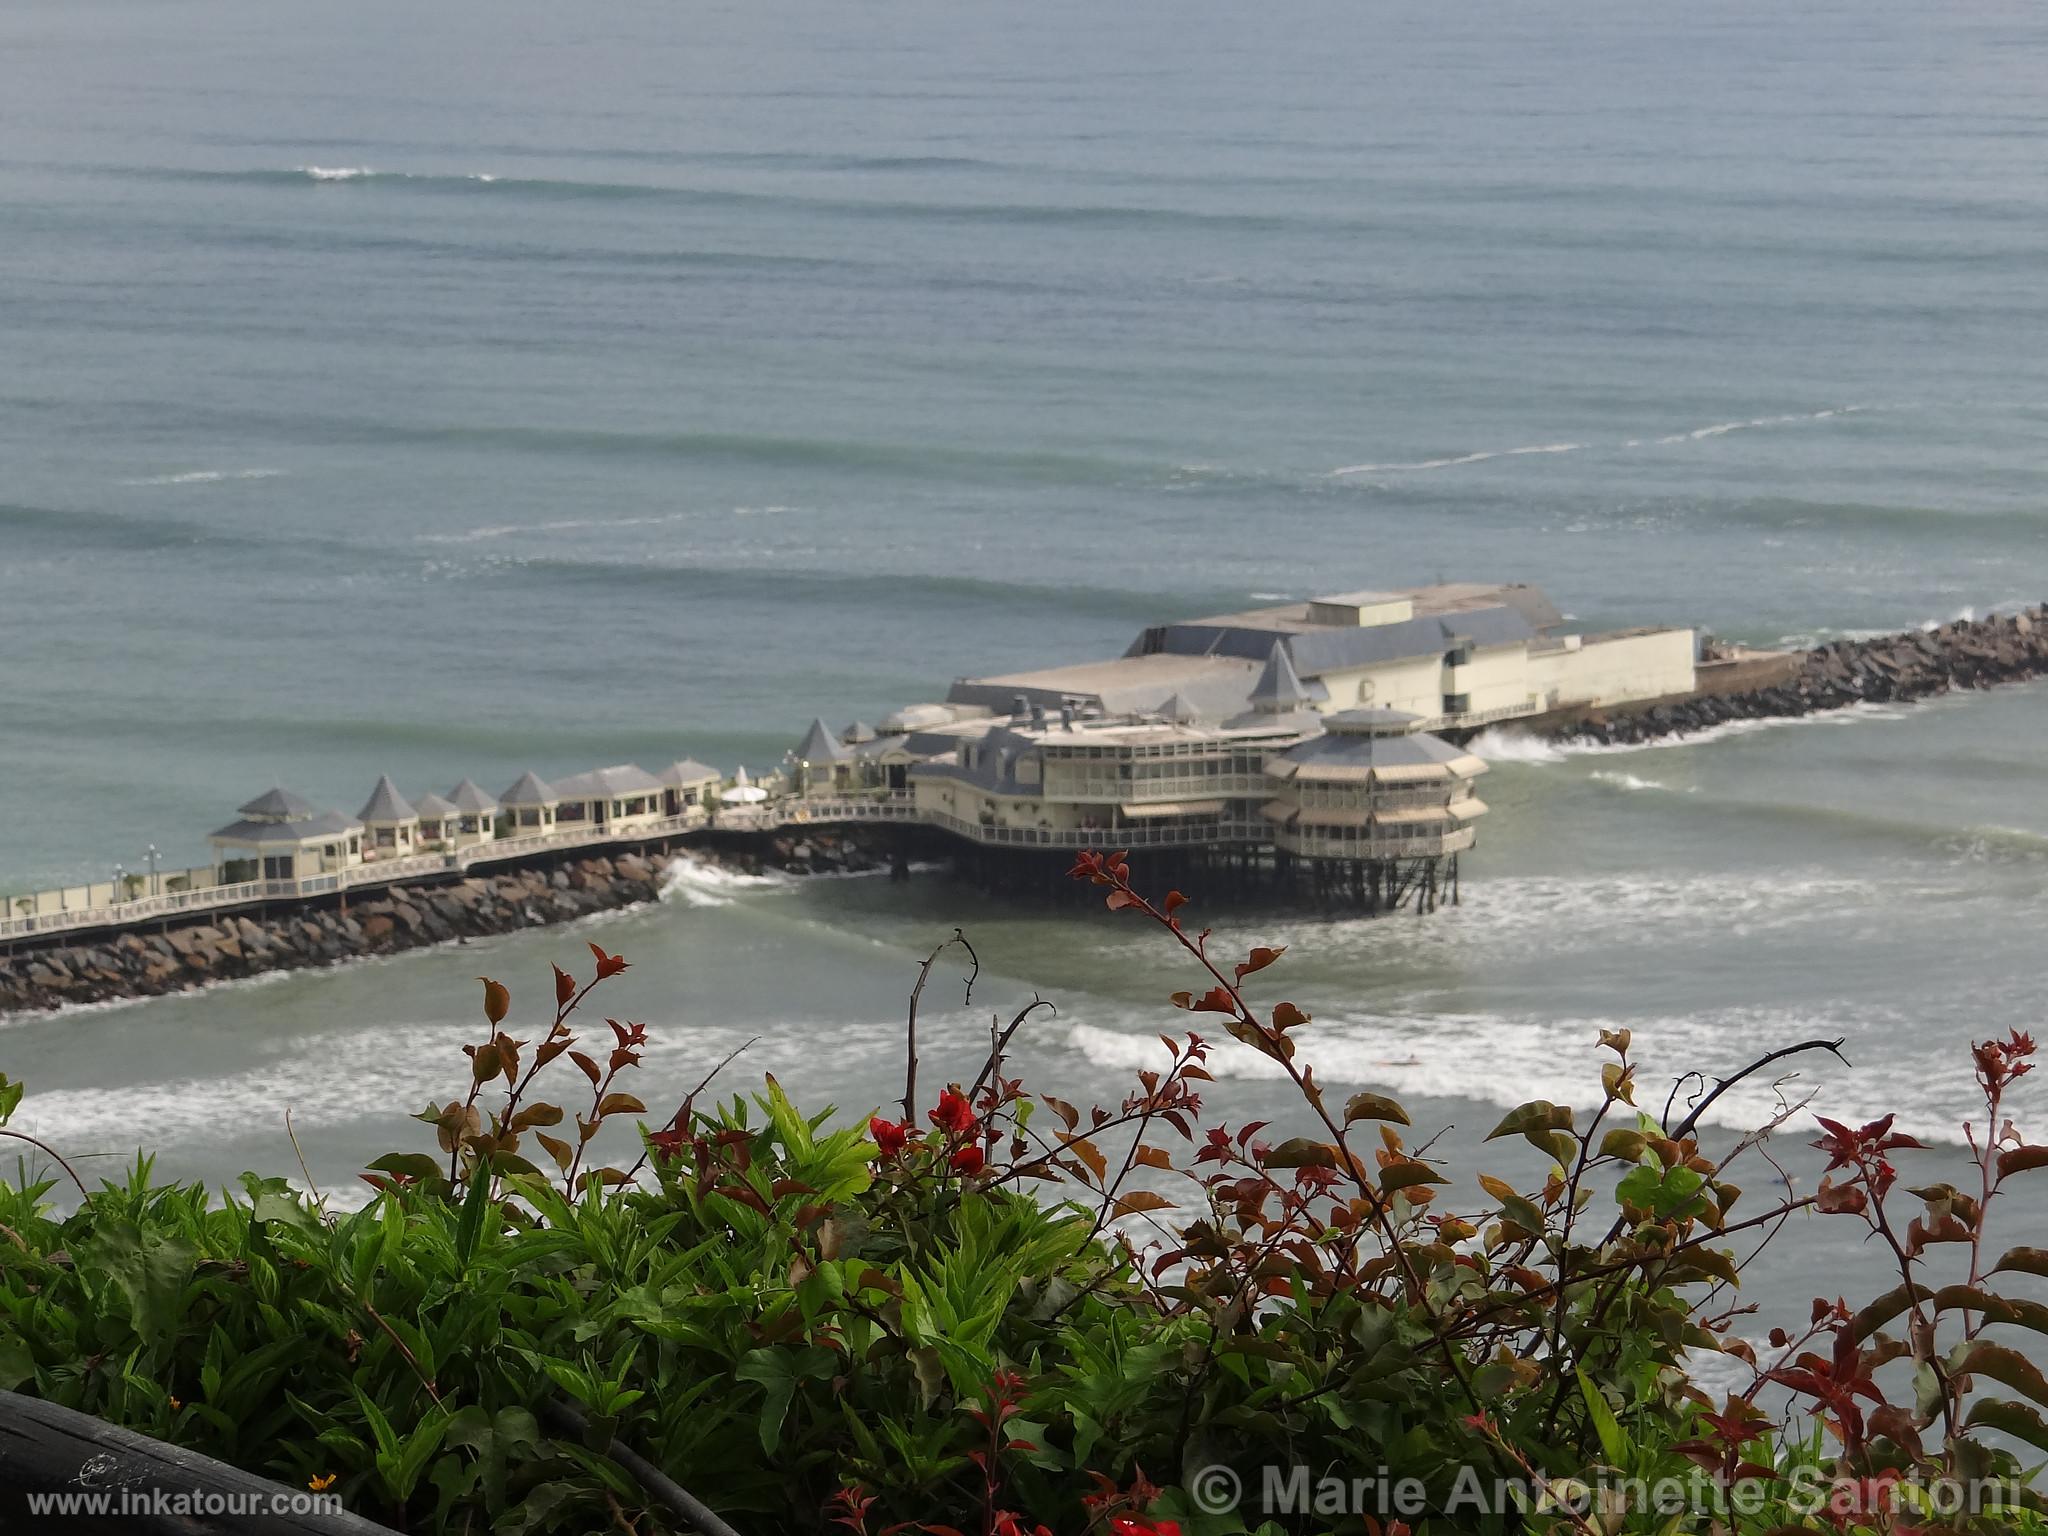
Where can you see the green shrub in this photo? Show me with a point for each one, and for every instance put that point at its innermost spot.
(1005, 1314)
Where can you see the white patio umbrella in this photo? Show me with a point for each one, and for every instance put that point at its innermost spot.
(743, 791)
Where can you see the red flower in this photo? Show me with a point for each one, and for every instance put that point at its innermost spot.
(968, 1160)
(890, 1135)
(954, 1116)
(1127, 1525)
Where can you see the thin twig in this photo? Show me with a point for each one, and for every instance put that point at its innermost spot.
(1832, 1047)
(924, 974)
(680, 1119)
(43, 1146)
(650, 1477)
(318, 1198)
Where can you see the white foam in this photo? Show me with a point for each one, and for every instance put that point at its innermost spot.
(206, 476)
(1505, 744)
(1630, 781)
(336, 172)
(487, 531)
(1452, 463)
(697, 883)
(1723, 428)
(1430, 1056)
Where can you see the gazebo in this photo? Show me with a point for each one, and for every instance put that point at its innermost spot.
(618, 798)
(282, 836)
(686, 783)
(435, 814)
(821, 762)
(531, 803)
(475, 819)
(391, 825)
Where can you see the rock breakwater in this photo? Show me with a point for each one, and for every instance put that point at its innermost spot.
(178, 957)
(1918, 664)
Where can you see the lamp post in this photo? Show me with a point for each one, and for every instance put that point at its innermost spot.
(153, 856)
(118, 873)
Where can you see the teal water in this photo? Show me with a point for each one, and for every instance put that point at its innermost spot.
(461, 389)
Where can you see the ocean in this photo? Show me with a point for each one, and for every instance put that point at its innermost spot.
(462, 389)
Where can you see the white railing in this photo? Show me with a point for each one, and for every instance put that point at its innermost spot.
(104, 908)
(1183, 835)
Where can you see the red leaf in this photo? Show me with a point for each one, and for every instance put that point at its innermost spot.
(497, 999)
(607, 965)
(1259, 959)
(565, 986)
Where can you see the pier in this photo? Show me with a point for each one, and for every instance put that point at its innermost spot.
(1243, 755)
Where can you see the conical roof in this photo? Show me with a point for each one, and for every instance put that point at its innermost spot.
(468, 798)
(857, 733)
(820, 745)
(1178, 710)
(686, 771)
(386, 804)
(279, 805)
(1279, 689)
(432, 807)
(530, 789)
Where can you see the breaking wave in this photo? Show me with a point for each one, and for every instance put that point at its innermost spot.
(698, 883)
(1431, 1056)
(1505, 744)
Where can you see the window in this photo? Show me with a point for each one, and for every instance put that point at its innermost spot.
(1457, 703)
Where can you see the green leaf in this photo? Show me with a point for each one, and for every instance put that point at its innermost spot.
(1981, 1357)
(2024, 1261)
(778, 1371)
(17, 1364)
(2015, 1419)
(149, 1268)
(1374, 1106)
(1613, 1443)
(1300, 1152)
(471, 1226)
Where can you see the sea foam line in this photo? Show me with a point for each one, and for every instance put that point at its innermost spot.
(206, 476)
(1463, 458)
(1694, 435)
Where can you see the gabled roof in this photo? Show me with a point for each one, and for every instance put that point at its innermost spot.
(278, 805)
(685, 771)
(386, 804)
(470, 800)
(619, 779)
(530, 790)
(433, 808)
(820, 745)
(1279, 689)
